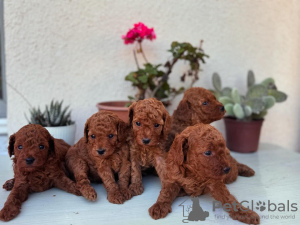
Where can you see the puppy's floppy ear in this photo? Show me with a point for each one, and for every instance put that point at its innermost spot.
(167, 124)
(123, 129)
(51, 145)
(131, 111)
(178, 150)
(11, 145)
(184, 110)
(86, 131)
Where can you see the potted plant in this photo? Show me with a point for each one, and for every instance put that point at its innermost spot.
(56, 119)
(151, 80)
(245, 113)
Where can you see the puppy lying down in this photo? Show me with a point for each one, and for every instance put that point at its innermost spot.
(197, 163)
(38, 166)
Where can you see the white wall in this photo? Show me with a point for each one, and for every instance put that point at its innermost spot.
(72, 50)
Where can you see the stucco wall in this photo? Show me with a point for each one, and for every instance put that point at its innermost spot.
(72, 50)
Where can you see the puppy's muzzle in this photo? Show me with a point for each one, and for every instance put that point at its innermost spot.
(222, 108)
(146, 141)
(29, 160)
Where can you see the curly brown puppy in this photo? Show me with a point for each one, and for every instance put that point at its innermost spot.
(38, 166)
(150, 123)
(199, 105)
(99, 155)
(197, 162)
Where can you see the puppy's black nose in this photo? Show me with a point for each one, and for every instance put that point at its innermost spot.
(101, 151)
(222, 108)
(226, 170)
(29, 161)
(146, 141)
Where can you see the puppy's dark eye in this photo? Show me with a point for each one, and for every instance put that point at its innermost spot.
(205, 103)
(41, 146)
(20, 147)
(93, 136)
(110, 136)
(208, 153)
(156, 125)
(138, 124)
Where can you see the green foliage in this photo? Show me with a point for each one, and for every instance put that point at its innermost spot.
(152, 80)
(54, 115)
(254, 105)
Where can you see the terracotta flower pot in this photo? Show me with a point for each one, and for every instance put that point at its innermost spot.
(118, 107)
(242, 136)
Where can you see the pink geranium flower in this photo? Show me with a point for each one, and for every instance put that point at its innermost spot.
(138, 33)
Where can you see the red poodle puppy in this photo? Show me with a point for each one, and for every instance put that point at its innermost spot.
(199, 105)
(150, 123)
(198, 164)
(38, 166)
(99, 155)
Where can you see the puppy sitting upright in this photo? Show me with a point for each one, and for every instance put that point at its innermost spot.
(38, 166)
(99, 155)
(201, 106)
(197, 162)
(150, 123)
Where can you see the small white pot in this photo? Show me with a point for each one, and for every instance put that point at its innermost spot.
(67, 133)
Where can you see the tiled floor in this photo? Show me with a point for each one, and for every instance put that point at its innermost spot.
(276, 182)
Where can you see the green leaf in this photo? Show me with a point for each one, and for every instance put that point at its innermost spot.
(269, 101)
(225, 100)
(238, 111)
(278, 95)
(250, 79)
(217, 82)
(143, 79)
(131, 77)
(226, 92)
(269, 82)
(257, 104)
(229, 109)
(248, 111)
(235, 96)
(217, 95)
(130, 97)
(257, 91)
(260, 115)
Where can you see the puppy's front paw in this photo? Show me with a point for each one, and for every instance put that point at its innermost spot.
(115, 197)
(248, 217)
(88, 192)
(9, 184)
(127, 193)
(159, 210)
(137, 188)
(7, 214)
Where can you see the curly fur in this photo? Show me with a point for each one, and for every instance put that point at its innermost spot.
(199, 105)
(189, 168)
(155, 124)
(46, 171)
(98, 157)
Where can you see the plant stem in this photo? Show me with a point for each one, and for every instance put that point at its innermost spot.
(19, 93)
(141, 50)
(136, 61)
(165, 77)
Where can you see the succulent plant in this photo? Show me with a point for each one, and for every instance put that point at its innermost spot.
(254, 105)
(54, 115)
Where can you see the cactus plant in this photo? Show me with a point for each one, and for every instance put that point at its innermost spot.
(254, 105)
(54, 115)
